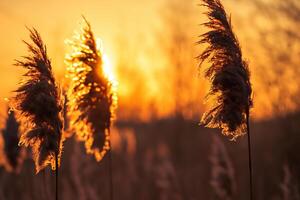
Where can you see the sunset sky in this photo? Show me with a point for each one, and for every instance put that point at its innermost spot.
(133, 33)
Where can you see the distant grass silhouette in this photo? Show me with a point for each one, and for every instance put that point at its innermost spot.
(223, 179)
(12, 152)
(229, 75)
(289, 185)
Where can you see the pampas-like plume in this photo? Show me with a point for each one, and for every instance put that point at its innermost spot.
(91, 96)
(228, 74)
(289, 186)
(11, 150)
(222, 180)
(39, 102)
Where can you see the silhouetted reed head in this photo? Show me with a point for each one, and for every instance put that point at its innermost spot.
(228, 73)
(91, 98)
(11, 150)
(38, 101)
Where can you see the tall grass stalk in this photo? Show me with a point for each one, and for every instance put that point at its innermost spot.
(228, 73)
(38, 102)
(92, 99)
(111, 172)
(249, 155)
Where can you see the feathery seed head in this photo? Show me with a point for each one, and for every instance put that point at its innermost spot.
(38, 101)
(228, 73)
(92, 99)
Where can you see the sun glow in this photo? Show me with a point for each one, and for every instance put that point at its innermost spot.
(108, 69)
(110, 74)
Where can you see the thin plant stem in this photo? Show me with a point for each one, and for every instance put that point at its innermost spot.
(111, 189)
(56, 176)
(249, 156)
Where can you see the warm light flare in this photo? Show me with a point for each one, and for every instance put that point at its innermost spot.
(110, 74)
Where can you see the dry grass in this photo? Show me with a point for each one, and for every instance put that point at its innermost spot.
(38, 102)
(90, 94)
(228, 73)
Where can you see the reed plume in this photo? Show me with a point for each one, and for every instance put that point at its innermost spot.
(91, 96)
(228, 73)
(289, 186)
(229, 76)
(223, 178)
(11, 151)
(38, 101)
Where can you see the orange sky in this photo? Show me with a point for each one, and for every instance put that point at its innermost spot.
(56, 20)
(129, 31)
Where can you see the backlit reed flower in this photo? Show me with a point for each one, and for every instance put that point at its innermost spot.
(228, 73)
(91, 97)
(38, 102)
